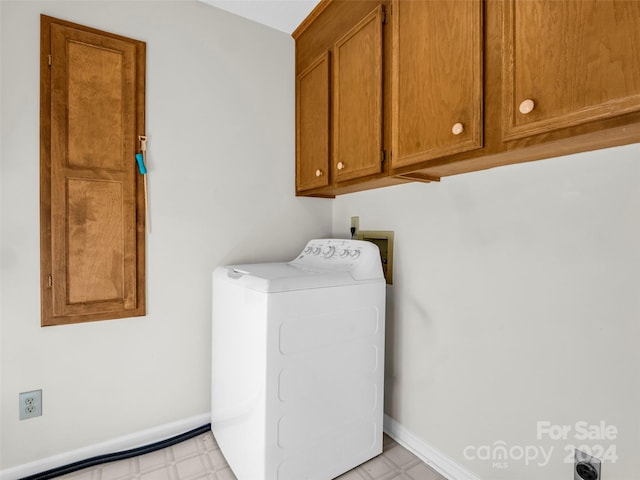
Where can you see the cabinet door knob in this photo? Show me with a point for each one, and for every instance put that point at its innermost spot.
(318, 173)
(340, 165)
(527, 106)
(457, 129)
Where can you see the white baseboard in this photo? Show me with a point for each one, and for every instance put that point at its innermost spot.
(437, 460)
(127, 442)
(425, 452)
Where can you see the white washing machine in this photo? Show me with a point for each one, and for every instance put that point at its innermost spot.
(298, 362)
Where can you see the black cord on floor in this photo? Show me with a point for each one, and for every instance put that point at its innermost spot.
(114, 457)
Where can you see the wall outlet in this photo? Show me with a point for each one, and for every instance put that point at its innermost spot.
(586, 467)
(355, 226)
(30, 404)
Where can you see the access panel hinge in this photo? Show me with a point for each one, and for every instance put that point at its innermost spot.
(49, 59)
(50, 281)
(383, 156)
(384, 16)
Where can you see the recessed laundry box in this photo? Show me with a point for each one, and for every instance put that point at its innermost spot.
(298, 362)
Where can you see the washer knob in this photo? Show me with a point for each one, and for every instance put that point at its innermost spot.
(328, 251)
(307, 249)
(316, 250)
(354, 253)
(343, 253)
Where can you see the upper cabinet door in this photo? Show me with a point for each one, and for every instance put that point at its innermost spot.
(357, 100)
(436, 79)
(312, 125)
(567, 63)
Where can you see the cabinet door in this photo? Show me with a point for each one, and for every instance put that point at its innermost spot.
(92, 208)
(357, 100)
(436, 78)
(567, 63)
(312, 129)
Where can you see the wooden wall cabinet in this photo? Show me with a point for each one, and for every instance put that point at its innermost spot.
(312, 125)
(357, 100)
(568, 63)
(473, 84)
(437, 79)
(339, 109)
(340, 97)
(559, 78)
(91, 200)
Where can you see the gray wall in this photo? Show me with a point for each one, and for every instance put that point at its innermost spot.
(220, 122)
(515, 301)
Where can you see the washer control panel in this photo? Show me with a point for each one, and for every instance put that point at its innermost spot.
(330, 248)
(361, 259)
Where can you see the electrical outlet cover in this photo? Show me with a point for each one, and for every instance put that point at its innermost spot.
(30, 404)
(586, 467)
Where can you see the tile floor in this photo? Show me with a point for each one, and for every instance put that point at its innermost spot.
(199, 458)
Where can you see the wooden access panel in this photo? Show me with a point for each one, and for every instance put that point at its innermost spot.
(92, 204)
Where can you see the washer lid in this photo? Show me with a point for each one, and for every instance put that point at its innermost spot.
(283, 277)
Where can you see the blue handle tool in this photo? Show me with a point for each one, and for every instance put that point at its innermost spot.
(141, 167)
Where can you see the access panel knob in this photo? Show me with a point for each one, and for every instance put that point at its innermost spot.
(457, 129)
(527, 106)
(318, 173)
(340, 165)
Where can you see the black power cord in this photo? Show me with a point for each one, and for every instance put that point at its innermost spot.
(112, 457)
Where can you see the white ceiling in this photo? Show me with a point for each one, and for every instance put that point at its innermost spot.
(283, 15)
